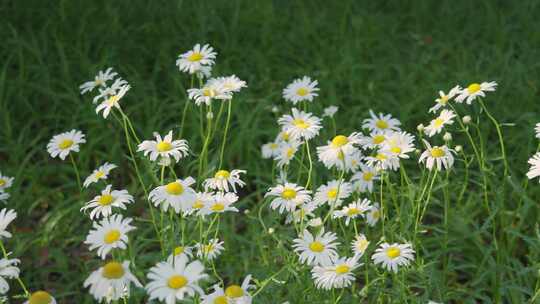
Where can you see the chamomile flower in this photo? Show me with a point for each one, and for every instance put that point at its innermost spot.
(381, 122)
(178, 195)
(353, 210)
(333, 193)
(393, 256)
(108, 91)
(112, 101)
(439, 156)
(362, 181)
(359, 245)
(4, 196)
(109, 234)
(287, 151)
(375, 139)
(283, 136)
(216, 297)
(5, 182)
(100, 173)
(210, 91)
(330, 111)
(316, 250)
(111, 282)
(474, 90)
(202, 200)
(8, 270)
(338, 274)
(40, 297)
(6, 217)
(446, 117)
(239, 294)
(302, 214)
(99, 81)
(443, 99)
(211, 250)
(383, 160)
(335, 151)
(192, 60)
(170, 282)
(534, 170)
(164, 147)
(102, 204)
(228, 84)
(398, 144)
(64, 143)
(373, 215)
(351, 162)
(287, 197)
(270, 150)
(300, 125)
(301, 89)
(180, 251)
(222, 202)
(225, 180)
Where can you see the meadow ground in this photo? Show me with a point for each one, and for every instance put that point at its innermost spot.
(390, 57)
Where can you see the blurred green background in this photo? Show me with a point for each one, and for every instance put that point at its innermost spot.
(391, 56)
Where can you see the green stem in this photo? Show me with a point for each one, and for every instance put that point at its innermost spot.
(76, 171)
(311, 166)
(499, 133)
(229, 110)
(4, 252)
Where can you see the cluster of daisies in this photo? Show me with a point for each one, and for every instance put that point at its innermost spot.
(360, 159)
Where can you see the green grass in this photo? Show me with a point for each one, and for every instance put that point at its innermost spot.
(391, 57)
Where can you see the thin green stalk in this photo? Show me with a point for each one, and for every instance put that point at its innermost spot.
(499, 134)
(310, 166)
(229, 110)
(21, 283)
(76, 171)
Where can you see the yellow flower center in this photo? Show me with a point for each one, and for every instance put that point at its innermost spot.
(332, 193)
(195, 56)
(99, 82)
(368, 176)
(99, 174)
(217, 207)
(113, 100)
(234, 291)
(341, 269)
(112, 236)
(376, 214)
(381, 124)
(437, 152)
(113, 270)
(174, 188)
(198, 204)
(164, 146)
(285, 136)
(177, 281)
(178, 250)
(222, 174)
(40, 297)
(2, 182)
(105, 199)
(288, 193)
(353, 211)
(302, 92)
(66, 143)
(274, 146)
(473, 88)
(378, 139)
(438, 122)
(208, 248)
(361, 245)
(393, 252)
(381, 157)
(209, 92)
(300, 123)
(339, 141)
(395, 150)
(443, 100)
(221, 300)
(290, 153)
(316, 246)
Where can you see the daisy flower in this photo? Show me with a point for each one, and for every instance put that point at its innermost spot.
(178, 195)
(111, 282)
(100, 173)
(108, 91)
(287, 197)
(216, 297)
(210, 91)
(112, 101)
(534, 170)
(286, 153)
(102, 204)
(164, 147)
(359, 245)
(283, 136)
(333, 193)
(383, 160)
(192, 60)
(171, 282)
(316, 250)
(4, 196)
(5, 182)
(6, 217)
(236, 294)
(351, 162)
(439, 156)
(40, 297)
(381, 122)
(353, 210)
(437, 124)
(270, 150)
(221, 202)
(362, 181)
(300, 125)
(109, 234)
(330, 111)
(301, 89)
(334, 153)
(474, 90)
(8, 270)
(223, 178)
(537, 130)
(211, 250)
(202, 199)
(64, 143)
(399, 144)
(99, 81)
(375, 139)
(393, 256)
(443, 99)
(338, 274)
(373, 215)
(302, 214)
(180, 251)
(229, 84)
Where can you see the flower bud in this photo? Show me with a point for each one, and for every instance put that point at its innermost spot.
(447, 136)
(420, 128)
(466, 119)
(458, 148)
